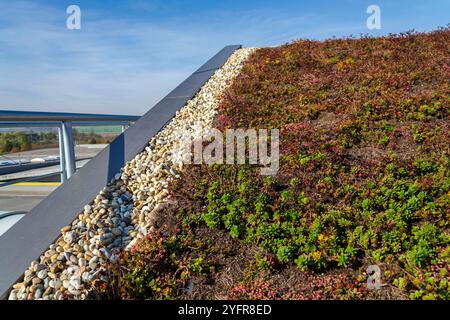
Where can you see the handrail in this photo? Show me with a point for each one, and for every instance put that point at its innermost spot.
(49, 124)
(64, 122)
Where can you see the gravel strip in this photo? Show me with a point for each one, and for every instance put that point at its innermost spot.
(125, 209)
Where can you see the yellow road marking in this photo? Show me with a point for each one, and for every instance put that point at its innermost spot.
(36, 184)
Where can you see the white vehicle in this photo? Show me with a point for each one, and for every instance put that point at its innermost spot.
(51, 158)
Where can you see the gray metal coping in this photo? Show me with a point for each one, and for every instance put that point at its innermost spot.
(32, 235)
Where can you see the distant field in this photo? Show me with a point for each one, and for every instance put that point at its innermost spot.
(100, 129)
(22, 140)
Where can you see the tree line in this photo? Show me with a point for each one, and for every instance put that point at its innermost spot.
(19, 141)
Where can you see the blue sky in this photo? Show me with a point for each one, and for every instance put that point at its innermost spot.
(129, 54)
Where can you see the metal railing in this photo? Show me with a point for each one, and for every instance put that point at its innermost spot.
(64, 122)
(26, 240)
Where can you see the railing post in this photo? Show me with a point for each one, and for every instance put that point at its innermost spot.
(62, 157)
(69, 151)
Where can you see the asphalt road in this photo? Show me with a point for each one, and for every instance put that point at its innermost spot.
(23, 197)
(81, 151)
(38, 172)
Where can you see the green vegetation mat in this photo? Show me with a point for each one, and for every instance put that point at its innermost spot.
(364, 180)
